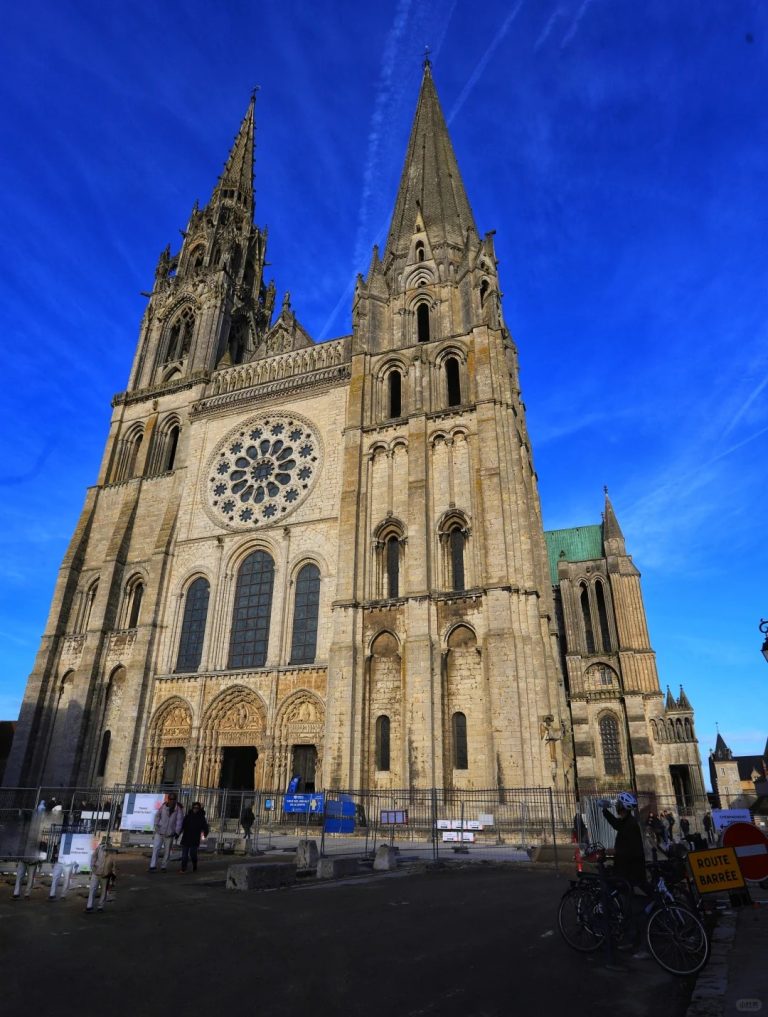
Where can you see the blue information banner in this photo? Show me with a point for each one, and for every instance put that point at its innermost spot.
(314, 804)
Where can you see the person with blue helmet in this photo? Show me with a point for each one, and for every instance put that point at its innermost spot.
(628, 851)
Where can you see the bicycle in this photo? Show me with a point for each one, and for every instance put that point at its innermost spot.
(598, 910)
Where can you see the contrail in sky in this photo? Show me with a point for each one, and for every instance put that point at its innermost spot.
(556, 13)
(483, 61)
(745, 406)
(568, 37)
(388, 61)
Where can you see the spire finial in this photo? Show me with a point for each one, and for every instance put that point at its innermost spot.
(427, 62)
(605, 489)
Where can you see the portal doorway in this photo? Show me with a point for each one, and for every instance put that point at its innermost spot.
(173, 766)
(304, 767)
(237, 768)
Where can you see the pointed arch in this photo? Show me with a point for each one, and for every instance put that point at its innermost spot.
(610, 741)
(193, 625)
(306, 609)
(252, 610)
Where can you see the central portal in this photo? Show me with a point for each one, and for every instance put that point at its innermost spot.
(237, 768)
(304, 766)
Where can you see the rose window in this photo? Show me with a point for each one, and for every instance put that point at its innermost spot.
(262, 470)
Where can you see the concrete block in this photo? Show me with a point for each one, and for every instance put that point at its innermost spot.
(307, 855)
(386, 858)
(260, 875)
(335, 868)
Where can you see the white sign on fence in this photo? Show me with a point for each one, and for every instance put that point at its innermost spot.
(139, 812)
(485, 819)
(455, 835)
(76, 848)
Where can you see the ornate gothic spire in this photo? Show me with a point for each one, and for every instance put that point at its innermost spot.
(431, 183)
(236, 181)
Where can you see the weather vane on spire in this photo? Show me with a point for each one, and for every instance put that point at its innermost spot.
(427, 61)
(254, 90)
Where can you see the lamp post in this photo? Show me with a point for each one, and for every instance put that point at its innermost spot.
(764, 630)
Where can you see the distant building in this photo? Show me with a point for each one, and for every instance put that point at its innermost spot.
(734, 778)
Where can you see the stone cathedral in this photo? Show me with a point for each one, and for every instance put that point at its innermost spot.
(328, 559)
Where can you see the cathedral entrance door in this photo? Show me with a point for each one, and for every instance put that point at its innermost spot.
(237, 768)
(304, 766)
(173, 766)
(237, 774)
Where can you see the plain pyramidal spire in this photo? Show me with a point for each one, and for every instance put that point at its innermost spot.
(430, 184)
(236, 181)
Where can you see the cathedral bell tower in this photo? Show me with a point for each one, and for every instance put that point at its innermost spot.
(443, 581)
(209, 307)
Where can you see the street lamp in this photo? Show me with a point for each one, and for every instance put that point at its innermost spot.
(764, 630)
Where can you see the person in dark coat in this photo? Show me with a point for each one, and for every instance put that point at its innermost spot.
(685, 829)
(193, 828)
(628, 851)
(709, 827)
(247, 819)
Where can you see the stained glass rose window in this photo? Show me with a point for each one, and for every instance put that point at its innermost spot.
(262, 470)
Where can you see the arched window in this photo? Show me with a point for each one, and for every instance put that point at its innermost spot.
(460, 755)
(453, 381)
(395, 383)
(86, 607)
(131, 455)
(382, 743)
(422, 323)
(419, 251)
(393, 566)
(103, 754)
(589, 636)
(305, 612)
(688, 729)
(172, 445)
(483, 291)
(180, 335)
(605, 632)
(197, 256)
(136, 595)
(457, 541)
(193, 626)
(252, 610)
(609, 737)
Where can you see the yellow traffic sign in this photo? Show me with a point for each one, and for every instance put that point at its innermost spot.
(715, 870)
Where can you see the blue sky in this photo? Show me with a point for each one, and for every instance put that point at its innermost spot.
(619, 149)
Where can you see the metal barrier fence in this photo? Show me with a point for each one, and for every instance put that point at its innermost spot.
(429, 823)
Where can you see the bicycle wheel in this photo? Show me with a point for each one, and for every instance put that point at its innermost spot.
(677, 940)
(579, 919)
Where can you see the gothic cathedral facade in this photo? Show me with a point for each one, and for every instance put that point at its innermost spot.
(328, 559)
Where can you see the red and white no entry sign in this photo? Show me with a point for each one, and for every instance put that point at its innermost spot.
(751, 847)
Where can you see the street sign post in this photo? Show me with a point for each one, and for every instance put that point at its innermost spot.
(715, 870)
(751, 848)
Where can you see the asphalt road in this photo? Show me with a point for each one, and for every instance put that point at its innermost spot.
(474, 941)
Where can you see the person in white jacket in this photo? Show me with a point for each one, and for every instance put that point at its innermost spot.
(168, 820)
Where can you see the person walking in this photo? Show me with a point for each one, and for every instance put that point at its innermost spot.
(247, 819)
(193, 828)
(168, 820)
(670, 817)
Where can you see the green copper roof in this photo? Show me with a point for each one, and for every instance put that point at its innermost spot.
(580, 543)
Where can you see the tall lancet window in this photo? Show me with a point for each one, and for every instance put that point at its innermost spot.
(609, 736)
(422, 323)
(393, 566)
(453, 381)
(253, 608)
(589, 636)
(395, 383)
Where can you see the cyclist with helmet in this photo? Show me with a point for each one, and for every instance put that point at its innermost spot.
(629, 851)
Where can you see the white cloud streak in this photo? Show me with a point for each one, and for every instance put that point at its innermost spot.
(570, 34)
(483, 61)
